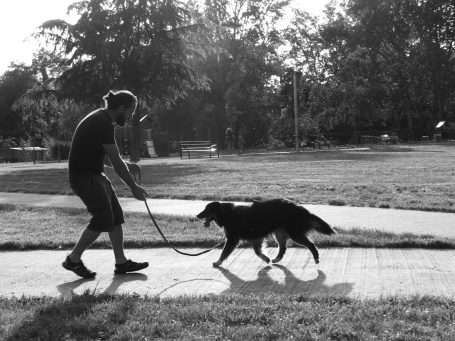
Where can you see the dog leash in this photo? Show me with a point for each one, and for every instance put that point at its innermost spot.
(169, 243)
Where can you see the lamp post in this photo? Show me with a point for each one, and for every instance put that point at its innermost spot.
(296, 114)
(59, 155)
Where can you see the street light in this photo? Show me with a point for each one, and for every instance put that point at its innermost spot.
(296, 114)
(59, 155)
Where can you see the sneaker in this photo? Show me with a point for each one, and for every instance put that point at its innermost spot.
(78, 268)
(129, 266)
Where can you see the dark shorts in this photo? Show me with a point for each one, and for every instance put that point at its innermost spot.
(96, 191)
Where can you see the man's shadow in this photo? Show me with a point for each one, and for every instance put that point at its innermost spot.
(67, 289)
(63, 313)
(291, 285)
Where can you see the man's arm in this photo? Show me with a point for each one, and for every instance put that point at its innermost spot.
(121, 169)
(107, 162)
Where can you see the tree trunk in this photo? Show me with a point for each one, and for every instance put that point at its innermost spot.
(354, 127)
(410, 125)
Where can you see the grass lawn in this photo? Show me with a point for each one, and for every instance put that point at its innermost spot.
(25, 228)
(411, 177)
(406, 176)
(233, 317)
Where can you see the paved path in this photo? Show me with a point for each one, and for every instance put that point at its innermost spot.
(392, 220)
(352, 272)
(349, 272)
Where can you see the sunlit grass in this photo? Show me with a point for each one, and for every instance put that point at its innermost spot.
(227, 317)
(416, 177)
(410, 177)
(25, 228)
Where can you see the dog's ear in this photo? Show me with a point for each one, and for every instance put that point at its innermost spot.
(210, 207)
(220, 210)
(214, 206)
(225, 208)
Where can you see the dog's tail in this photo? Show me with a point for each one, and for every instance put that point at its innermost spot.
(319, 225)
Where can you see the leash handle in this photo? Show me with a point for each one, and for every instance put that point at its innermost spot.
(169, 243)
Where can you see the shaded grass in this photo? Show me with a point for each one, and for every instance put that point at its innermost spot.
(226, 317)
(28, 228)
(410, 177)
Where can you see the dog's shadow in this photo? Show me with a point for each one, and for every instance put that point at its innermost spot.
(291, 284)
(67, 289)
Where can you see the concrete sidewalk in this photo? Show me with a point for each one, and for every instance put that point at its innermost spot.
(391, 220)
(351, 272)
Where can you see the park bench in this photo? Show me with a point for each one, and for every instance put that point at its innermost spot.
(197, 147)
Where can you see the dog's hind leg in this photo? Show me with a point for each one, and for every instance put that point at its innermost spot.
(281, 238)
(227, 250)
(302, 239)
(257, 246)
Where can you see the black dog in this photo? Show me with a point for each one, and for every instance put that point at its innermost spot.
(282, 218)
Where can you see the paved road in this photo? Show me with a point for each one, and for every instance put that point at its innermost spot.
(392, 220)
(349, 272)
(352, 272)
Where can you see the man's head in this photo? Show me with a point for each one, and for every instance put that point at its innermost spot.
(121, 104)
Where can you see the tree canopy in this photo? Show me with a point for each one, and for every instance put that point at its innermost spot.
(365, 67)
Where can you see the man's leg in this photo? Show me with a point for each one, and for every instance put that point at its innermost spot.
(91, 190)
(116, 238)
(73, 260)
(86, 239)
(122, 264)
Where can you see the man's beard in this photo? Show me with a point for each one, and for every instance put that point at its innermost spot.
(120, 120)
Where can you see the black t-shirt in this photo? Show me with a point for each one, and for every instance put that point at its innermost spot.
(87, 152)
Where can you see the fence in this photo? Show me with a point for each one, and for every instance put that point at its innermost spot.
(22, 154)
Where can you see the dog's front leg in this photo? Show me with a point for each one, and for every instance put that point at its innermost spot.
(227, 250)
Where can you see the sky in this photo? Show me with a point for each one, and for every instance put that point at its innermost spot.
(20, 18)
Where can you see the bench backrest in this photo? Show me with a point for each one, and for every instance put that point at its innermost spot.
(197, 146)
(190, 144)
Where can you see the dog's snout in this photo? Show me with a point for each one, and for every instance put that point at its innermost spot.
(201, 215)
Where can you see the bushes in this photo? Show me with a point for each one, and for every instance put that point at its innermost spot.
(53, 149)
(283, 130)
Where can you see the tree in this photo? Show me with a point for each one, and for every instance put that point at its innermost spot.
(13, 83)
(132, 44)
(409, 43)
(40, 105)
(383, 65)
(247, 31)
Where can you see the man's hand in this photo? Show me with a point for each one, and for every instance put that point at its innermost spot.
(139, 193)
(135, 171)
(123, 170)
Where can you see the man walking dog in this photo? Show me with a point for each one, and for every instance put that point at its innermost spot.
(93, 140)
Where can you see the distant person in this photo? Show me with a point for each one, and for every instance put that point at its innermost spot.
(229, 139)
(240, 141)
(92, 141)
